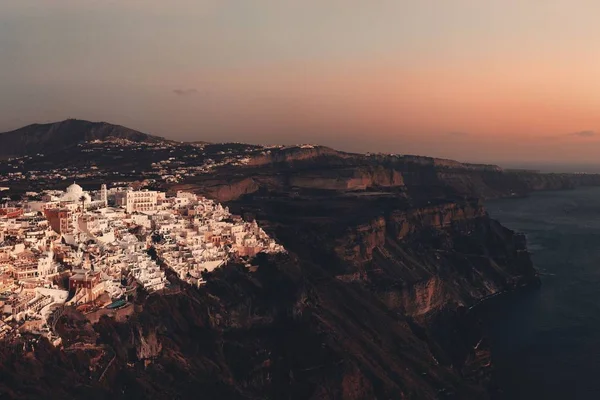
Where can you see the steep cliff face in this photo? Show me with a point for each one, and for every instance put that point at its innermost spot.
(295, 154)
(372, 308)
(232, 189)
(360, 178)
(303, 176)
(419, 178)
(385, 258)
(425, 259)
(286, 331)
(403, 223)
(358, 245)
(428, 263)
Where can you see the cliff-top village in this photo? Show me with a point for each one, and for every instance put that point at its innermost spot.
(93, 250)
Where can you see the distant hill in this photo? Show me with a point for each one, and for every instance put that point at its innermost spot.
(54, 137)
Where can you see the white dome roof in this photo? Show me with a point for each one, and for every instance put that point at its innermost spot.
(74, 188)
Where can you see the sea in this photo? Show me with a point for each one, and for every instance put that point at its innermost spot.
(546, 342)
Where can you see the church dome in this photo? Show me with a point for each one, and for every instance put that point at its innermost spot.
(75, 189)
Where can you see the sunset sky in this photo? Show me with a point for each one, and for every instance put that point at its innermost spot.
(495, 80)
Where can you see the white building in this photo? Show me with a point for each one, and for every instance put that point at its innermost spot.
(144, 201)
(74, 194)
(46, 265)
(104, 195)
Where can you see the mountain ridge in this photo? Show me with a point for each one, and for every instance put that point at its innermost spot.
(57, 136)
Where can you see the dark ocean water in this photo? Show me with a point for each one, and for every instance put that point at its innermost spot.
(555, 167)
(546, 342)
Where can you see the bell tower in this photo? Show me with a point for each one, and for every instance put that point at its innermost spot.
(104, 194)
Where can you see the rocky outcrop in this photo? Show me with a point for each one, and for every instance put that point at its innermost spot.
(233, 190)
(360, 178)
(295, 154)
(406, 252)
(444, 163)
(147, 346)
(358, 245)
(403, 223)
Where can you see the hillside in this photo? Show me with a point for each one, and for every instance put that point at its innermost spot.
(386, 256)
(58, 136)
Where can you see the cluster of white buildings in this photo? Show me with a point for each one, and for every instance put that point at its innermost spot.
(194, 235)
(99, 242)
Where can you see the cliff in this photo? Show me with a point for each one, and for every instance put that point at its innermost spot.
(296, 153)
(411, 257)
(361, 178)
(419, 178)
(386, 257)
(370, 303)
(376, 325)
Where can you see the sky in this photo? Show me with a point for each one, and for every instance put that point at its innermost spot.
(504, 81)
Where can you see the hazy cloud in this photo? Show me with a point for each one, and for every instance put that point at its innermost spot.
(585, 134)
(457, 134)
(185, 92)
